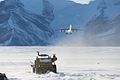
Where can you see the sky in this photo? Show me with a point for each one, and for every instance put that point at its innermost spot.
(78, 1)
(1, 0)
(82, 1)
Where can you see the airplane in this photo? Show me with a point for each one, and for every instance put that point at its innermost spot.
(69, 30)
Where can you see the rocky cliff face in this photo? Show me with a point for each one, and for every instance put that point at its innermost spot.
(19, 26)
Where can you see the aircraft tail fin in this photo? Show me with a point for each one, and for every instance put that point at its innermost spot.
(70, 27)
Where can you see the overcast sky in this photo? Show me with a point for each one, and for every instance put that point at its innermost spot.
(82, 1)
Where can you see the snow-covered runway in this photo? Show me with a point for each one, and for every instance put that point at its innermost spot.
(74, 63)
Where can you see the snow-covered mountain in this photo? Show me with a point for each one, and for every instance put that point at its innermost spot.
(103, 28)
(19, 26)
(97, 18)
(80, 14)
(34, 23)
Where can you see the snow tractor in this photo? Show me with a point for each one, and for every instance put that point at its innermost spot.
(44, 63)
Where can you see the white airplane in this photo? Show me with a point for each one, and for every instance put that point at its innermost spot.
(69, 30)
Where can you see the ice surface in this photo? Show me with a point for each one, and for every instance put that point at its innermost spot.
(74, 63)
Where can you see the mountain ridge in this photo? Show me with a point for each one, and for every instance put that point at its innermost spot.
(25, 27)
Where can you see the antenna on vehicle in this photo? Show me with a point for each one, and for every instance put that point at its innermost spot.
(38, 53)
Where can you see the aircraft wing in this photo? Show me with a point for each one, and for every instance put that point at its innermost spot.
(61, 30)
(76, 30)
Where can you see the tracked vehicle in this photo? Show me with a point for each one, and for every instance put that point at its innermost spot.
(44, 63)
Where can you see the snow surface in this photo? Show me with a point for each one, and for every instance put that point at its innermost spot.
(74, 63)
